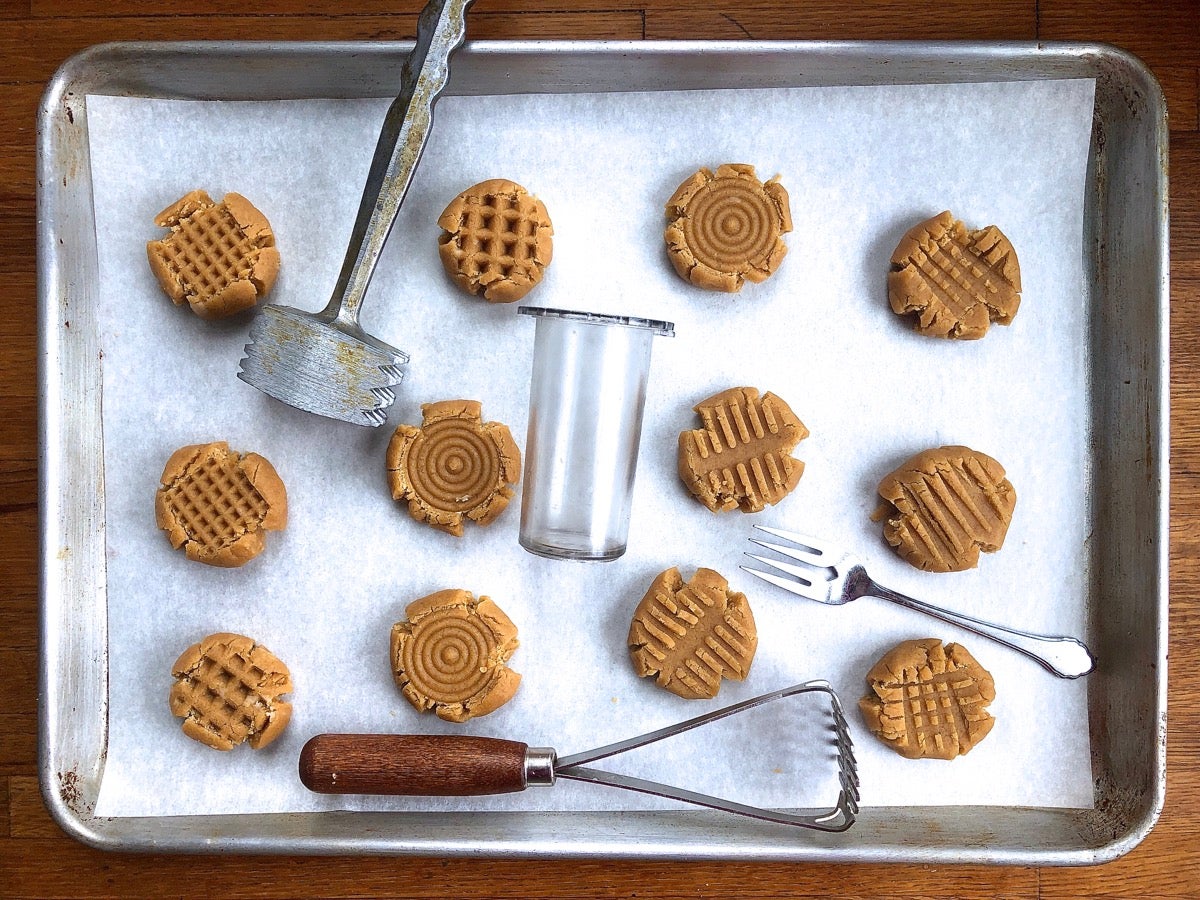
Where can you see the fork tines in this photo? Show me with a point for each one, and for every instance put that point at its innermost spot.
(805, 551)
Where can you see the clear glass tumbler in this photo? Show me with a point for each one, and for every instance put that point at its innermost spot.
(586, 399)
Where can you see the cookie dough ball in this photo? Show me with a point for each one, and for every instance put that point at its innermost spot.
(451, 655)
(926, 701)
(688, 636)
(454, 466)
(725, 228)
(955, 281)
(496, 240)
(219, 258)
(227, 691)
(218, 504)
(945, 505)
(741, 458)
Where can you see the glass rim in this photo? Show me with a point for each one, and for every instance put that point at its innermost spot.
(658, 326)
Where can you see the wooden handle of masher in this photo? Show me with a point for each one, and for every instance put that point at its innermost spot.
(427, 765)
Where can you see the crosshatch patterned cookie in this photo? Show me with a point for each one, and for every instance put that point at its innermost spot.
(726, 227)
(690, 636)
(741, 458)
(218, 504)
(454, 466)
(451, 655)
(219, 258)
(227, 689)
(928, 701)
(955, 281)
(496, 240)
(946, 505)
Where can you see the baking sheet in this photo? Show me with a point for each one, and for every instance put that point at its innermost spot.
(862, 164)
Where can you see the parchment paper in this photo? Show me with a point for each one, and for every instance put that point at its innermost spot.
(861, 165)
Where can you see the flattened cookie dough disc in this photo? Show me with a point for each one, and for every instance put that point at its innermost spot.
(741, 458)
(227, 689)
(955, 281)
(454, 465)
(947, 505)
(451, 653)
(219, 258)
(217, 504)
(726, 228)
(926, 701)
(496, 240)
(690, 636)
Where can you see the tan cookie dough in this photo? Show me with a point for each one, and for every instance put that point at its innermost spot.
(219, 258)
(454, 466)
(227, 689)
(451, 655)
(741, 457)
(690, 636)
(218, 504)
(926, 701)
(496, 240)
(955, 281)
(726, 227)
(946, 505)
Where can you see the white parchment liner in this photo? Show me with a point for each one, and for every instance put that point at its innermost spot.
(862, 165)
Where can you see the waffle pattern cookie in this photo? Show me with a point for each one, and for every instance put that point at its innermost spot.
(955, 281)
(217, 504)
(946, 505)
(726, 228)
(741, 457)
(227, 689)
(690, 636)
(219, 258)
(454, 466)
(451, 655)
(496, 240)
(928, 701)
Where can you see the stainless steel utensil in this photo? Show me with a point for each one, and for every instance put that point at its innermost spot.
(459, 765)
(324, 362)
(836, 578)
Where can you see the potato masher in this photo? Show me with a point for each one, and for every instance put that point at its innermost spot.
(434, 765)
(324, 362)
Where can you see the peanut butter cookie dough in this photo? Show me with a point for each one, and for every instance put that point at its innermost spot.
(726, 227)
(220, 258)
(690, 636)
(454, 466)
(926, 701)
(496, 240)
(955, 281)
(451, 655)
(217, 504)
(947, 504)
(741, 458)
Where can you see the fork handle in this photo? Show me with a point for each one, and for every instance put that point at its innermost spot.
(440, 30)
(1065, 657)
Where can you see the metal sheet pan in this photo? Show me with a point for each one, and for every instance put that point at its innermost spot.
(1127, 268)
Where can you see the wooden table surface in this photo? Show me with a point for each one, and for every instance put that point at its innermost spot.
(36, 859)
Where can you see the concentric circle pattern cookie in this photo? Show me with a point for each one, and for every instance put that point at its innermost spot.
(690, 636)
(219, 258)
(227, 689)
(947, 504)
(454, 466)
(955, 281)
(726, 228)
(928, 701)
(741, 458)
(217, 504)
(496, 240)
(451, 653)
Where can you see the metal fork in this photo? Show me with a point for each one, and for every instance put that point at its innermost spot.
(836, 578)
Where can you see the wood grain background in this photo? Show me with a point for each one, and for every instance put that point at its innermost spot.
(36, 859)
